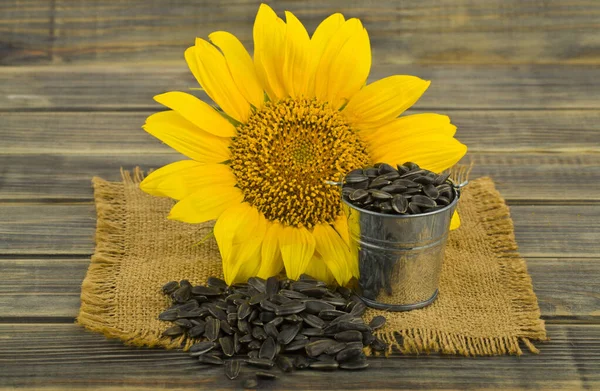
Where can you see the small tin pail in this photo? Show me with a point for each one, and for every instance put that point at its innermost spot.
(399, 256)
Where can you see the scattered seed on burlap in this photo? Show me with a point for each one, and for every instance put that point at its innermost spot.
(408, 189)
(276, 323)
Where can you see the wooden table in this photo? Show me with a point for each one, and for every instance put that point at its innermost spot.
(519, 79)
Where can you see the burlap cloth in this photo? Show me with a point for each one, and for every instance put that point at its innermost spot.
(486, 304)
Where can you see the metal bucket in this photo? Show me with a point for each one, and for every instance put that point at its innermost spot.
(399, 256)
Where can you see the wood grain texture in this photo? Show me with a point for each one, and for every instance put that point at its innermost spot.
(520, 177)
(98, 133)
(26, 31)
(431, 31)
(541, 230)
(567, 288)
(132, 86)
(68, 357)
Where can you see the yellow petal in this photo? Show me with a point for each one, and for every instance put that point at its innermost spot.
(197, 112)
(318, 269)
(213, 75)
(416, 125)
(435, 153)
(240, 66)
(180, 179)
(269, 51)
(186, 138)
(455, 223)
(341, 226)
(384, 100)
(297, 247)
(345, 64)
(318, 42)
(239, 232)
(272, 263)
(334, 251)
(298, 57)
(206, 204)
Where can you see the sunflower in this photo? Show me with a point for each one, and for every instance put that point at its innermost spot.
(297, 115)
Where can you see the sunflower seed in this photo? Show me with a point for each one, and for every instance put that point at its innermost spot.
(256, 299)
(394, 189)
(411, 166)
(213, 326)
(244, 311)
(272, 286)
(271, 330)
(316, 306)
(296, 345)
(259, 333)
(348, 354)
(287, 334)
(206, 291)
(210, 359)
(400, 204)
(335, 348)
(267, 350)
(422, 201)
(353, 326)
(441, 200)
(170, 287)
(173, 331)
(380, 195)
(316, 292)
(290, 294)
(185, 323)
(268, 305)
(232, 369)
(356, 178)
(290, 308)
(284, 363)
(227, 346)
(330, 314)
(402, 169)
(372, 172)
(313, 320)
(182, 294)
(431, 191)
(260, 362)
(215, 282)
(312, 332)
(265, 375)
(253, 354)
(202, 347)
(413, 208)
(348, 336)
(378, 345)
(258, 283)
(168, 315)
(442, 178)
(377, 322)
(424, 180)
(358, 195)
(377, 183)
(196, 331)
(314, 349)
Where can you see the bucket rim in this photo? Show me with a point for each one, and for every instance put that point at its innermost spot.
(397, 216)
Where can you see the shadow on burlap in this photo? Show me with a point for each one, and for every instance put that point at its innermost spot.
(486, 305)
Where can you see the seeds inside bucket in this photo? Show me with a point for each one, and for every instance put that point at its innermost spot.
(406, 190)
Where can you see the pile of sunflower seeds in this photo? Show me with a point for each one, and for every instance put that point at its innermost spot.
(407, 189)
(271, 323)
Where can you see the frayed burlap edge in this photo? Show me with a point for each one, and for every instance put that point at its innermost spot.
(98, 287)
(495, 218)
(98, 295)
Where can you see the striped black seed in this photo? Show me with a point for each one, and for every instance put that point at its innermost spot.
(168, 315)
(377, 322)
(260, 362)
(378, 345)
(215, 282)
(185, 323)
(296, 345)
(359, 194)
(316, 348)
(354, 364)
(348, 336)
(210, 359)
(227, 346)
(330, 314)
(348, 354)
(301, 362)
(213, 326)
(288, 333)
(272, 286)
(284, 363)
(258, 283)
(202, 347)
(292, 307)
(267, 350)
(232, 369)
(312, 332)
(335, 348)
(170, 287)
(206, 291)
(431, 191)
(173, 331)
(182, 294)
(313, 320)
(316, 306)
(442, 178)
(399, 204)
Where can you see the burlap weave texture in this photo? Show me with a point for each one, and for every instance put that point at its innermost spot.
(486, 304)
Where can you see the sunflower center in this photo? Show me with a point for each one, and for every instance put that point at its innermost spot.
(284, 155)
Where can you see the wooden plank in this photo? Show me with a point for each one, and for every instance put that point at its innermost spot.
(520, 177)
(115, 132)
(541, 230)
(429, 31)
(26, 31)
(33, 288)
(131, 87)
(68, 357)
